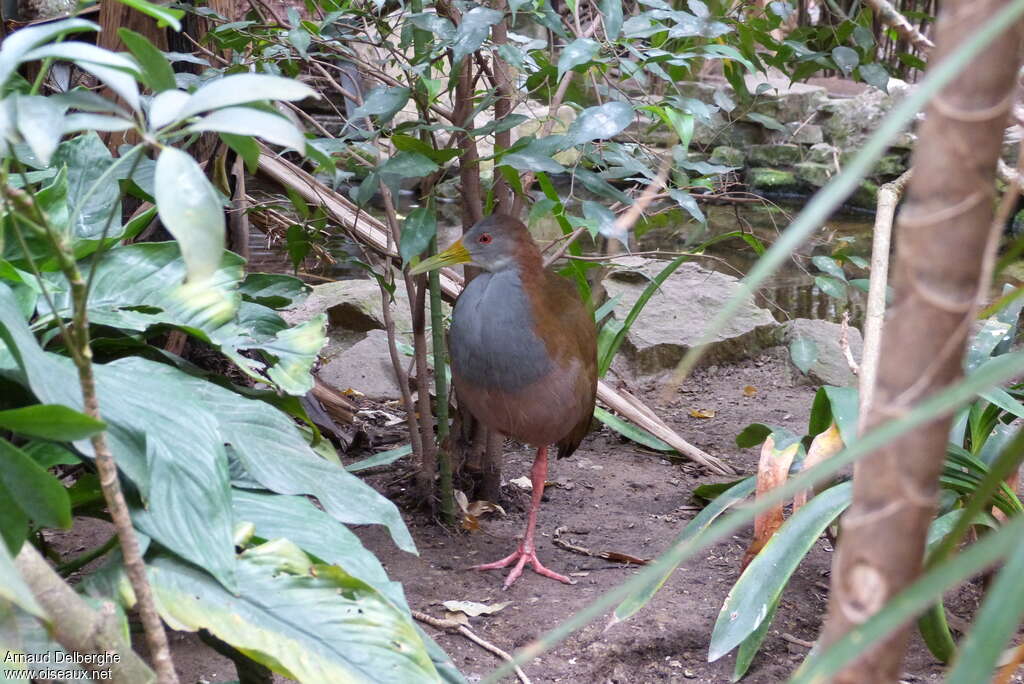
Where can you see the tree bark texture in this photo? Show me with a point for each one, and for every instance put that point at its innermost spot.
(942, 242)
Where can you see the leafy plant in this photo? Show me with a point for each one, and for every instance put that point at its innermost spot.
(208, 466)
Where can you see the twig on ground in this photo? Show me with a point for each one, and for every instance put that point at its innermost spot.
(452, 625)
(613, 556)
(797, 640)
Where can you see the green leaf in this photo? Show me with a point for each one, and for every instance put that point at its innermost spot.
(247, 121)
(37, 492)
(274, 290)
(117, 71)
(761, 584)
(531, 158)
(15, 45)
(165, 16)
(505, 123)
(190, 210)
(55, 422)
(641, 595)
(611, 15)
(315, 623)
(246, 148)
(300, 40)
(875, 75)
(407, 165)
(296, 518)
(157, 73)
(750, 646)
(845, 58)
(599, 123)
(579, 51)
(829, 266)
(804, 352)
(73, 123)
(752, 435)
(473, 31)
(630, 431)
(831, 286)
(382, 102)
(380, 459)
(766, 121)
(419, 228)
(238, 89)
(48, 454)
(41, 123)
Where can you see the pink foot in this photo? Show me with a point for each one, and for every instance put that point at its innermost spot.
(521, 557)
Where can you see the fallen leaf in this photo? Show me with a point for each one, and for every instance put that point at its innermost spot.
(702, 413)
(350, 392)
(523, 483)
(474, 609)
(461, 618)
(749, 391)
(479, 508)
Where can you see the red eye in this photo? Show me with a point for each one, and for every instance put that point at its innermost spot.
(485, 239)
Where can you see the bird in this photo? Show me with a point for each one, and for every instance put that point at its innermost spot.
(523, 355)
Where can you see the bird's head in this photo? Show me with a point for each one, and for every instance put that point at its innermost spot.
(493, 244)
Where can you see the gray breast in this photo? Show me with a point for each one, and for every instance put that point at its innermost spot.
(492, 340)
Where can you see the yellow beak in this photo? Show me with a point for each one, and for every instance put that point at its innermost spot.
(456, 254)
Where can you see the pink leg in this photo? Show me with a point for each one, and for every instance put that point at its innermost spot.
(527, 552)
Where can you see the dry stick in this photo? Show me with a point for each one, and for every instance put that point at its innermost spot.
(469, 634)
(844, 344)
(888, 197)
(889, 15)
(77, 626)
(372, 233)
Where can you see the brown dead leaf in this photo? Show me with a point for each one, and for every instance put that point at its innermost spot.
(749, 391)
(350, 392)
(702, 413)
(474, 609)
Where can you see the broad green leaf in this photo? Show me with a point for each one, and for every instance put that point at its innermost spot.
(48, 454)
(831, 286)
(16, 44)
(315, 624)
(14, 589)
(382, 102)
(55, 422)
(257, 123)
(875, 75)
(297, 519)
(295, 351)
(579, 51)
(429, 21)
(752, 435)
(845, 58)
(40, 122)
(829, 266)
(156, 71)
(274, 290)
(611, 15)
(766, 121)
(381, 459)
(749, 647)
(14, 523)
(640, 595)
(93, 191)
(191, 211)
(300, 40)
(804, 352)
(73, 123)
(238, 89)
(685, 200)
(116, 70)
(35, 491)
(603, 219)
(630, 431)
(407, 165)
(761, 584)
(473, 31)
(531, 158)
(248, 150)
(600, 123)
(505, 123)
(419, 228)
(166, 108)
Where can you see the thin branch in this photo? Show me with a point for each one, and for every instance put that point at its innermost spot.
(890, 16)
(465, 631)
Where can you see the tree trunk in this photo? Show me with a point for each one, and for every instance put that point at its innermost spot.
(942, 243)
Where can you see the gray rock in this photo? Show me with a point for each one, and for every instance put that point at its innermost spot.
(366, 367)
(675, 317)
(728, 156)
(850, 122)
(814, 174)
(774, 155)
(831, 367)
(782, 100)
(798, 133)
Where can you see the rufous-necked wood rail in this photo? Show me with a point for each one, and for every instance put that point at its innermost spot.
(523, 350)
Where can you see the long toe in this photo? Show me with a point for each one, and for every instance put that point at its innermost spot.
(521, 558)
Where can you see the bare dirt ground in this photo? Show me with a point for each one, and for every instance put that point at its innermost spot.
(611, 496)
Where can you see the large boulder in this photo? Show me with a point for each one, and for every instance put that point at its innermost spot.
(365, 367)
(830, 366)
(676, 316)
(849, 122)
